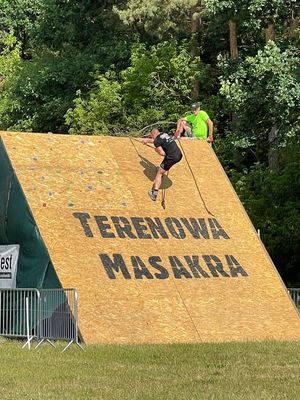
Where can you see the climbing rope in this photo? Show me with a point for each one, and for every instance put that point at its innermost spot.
(157, 123)
(163, 201)
(196, 184)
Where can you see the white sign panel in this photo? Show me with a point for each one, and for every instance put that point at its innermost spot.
(8, 265)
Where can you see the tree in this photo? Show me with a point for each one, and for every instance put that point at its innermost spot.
(231, 10)
(100, 112)
(21, 17)
(166, 19)
(10, 66)
(253, 15)
(154, 87)
(163, 18)
(272, 201)
(35, 95)
(72, 39)
(263, 90)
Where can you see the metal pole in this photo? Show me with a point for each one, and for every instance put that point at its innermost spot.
(27, 321)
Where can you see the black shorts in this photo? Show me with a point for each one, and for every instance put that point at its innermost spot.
(169, 162)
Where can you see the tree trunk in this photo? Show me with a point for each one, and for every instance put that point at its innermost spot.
(273, 133)
(270, 33)
(234, 54)
(273, 148)
(233, 40)
(195, 23)
(294, 27)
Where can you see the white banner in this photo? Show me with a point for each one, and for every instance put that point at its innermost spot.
(8, 265)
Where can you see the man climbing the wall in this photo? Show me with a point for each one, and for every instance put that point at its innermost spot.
(202, 125)
(166, 147)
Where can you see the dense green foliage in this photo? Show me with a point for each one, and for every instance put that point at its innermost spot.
(156, 86)
(113, 67)
(272, 200)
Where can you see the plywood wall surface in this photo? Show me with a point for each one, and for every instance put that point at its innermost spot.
(190, 272)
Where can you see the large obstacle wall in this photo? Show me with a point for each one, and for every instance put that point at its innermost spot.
(190, 272)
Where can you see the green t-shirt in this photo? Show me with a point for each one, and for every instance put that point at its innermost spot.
(199, 125)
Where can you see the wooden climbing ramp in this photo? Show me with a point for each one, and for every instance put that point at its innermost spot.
(194, 271)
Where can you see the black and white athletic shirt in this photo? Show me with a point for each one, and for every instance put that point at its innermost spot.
(168, 145)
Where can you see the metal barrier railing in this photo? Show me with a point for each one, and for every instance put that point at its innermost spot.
(63, 322)
(295, 295)
(41, 314)
(19, 313)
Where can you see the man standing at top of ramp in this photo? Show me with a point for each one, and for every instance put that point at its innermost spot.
(202, 125)
(165, 146)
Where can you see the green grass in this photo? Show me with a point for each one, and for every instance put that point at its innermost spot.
(262, 370)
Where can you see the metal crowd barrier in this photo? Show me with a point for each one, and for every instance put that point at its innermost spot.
(40, 314)
(19, 316)
(295, 295)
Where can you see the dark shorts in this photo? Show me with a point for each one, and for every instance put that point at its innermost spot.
(169, 162)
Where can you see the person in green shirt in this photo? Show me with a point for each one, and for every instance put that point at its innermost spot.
(202, 126)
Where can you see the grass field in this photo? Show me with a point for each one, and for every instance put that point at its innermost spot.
(265, 370)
